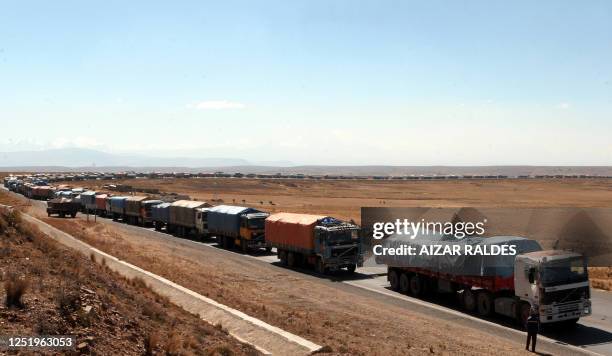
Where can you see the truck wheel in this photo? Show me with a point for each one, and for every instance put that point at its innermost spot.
(351, 268)
(320, 266)
(225, 242)
(393, 280)
(484, 303)
(469, 300)
(291, 259)
(73, 215)
(282, 256)
(268, 249)
(49, 214)
(404, 283)
(569, 324)
(243, 245)
(62, 215)
(416, 286)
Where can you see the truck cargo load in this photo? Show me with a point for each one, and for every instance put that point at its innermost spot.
(237, 225)
(160, 214)
(322, 241)
(88, 201)
(296, 230)
(183, 213)
(101, 204)
(117, 206)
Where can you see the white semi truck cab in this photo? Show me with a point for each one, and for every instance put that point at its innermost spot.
(555, 281)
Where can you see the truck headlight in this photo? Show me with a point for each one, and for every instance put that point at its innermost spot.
(587, 310)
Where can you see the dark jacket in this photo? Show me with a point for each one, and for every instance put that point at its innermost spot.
(533, 324)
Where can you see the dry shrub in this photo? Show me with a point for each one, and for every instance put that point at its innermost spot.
(68, 300)
(222, 350)
(15, 288)
(153, 311)
(13, 218)
(173, 345)
(150, 343)
(139, 283)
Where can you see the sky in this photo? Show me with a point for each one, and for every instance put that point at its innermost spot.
(312, 82)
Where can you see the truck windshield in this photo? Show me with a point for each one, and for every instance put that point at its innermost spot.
(564, 272)
(256, 223)
(344, 236)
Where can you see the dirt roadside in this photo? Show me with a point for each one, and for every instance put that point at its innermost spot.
(62, 292)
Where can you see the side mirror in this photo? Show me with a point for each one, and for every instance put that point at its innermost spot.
(531, 275)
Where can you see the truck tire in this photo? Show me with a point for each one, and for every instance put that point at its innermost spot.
(404, 283)
(469, 300)
(351, 268)
(569, 324)
(416, 286)
(393, 277)
(291, 259)
(226, 243)
(73, 215)
(268, 249)
(243, 245)
(320, 266)
(282, 256)
(62, 215)
(48, 214)
(484, 303)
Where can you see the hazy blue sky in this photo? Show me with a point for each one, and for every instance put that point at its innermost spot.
(329, 82)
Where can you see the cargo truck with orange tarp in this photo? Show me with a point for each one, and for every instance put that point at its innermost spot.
(317, 240)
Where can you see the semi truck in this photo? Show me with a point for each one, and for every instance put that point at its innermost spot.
(160, 215)
(42, 192)
(133, 207)
(88, 202)
(116, 207)
(554, 282)
(237, 226)
(63, 207)
(183, 216)
(324, 242)
(101, 204)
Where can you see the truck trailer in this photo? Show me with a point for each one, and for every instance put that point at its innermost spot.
(237, 226)
(327, 243)
(116, 207)
(88, 202)
(183, 216)
(101, 204)
(554, 282)
(133, 207)
(160, 215)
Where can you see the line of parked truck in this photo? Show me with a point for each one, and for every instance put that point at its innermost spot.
(554, 282)
(324, 242)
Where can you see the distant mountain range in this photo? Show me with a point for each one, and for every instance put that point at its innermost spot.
(79, 160)
(79, 157)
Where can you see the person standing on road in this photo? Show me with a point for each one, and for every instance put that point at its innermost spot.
(533, 327)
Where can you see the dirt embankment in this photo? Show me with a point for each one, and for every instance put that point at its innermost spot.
(49, 290)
